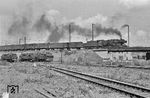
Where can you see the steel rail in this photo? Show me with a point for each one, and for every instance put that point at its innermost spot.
(129, 67)
(45, 93)
(95, 80)
(110, 80)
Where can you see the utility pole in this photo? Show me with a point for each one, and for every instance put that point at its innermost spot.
(69, 33)
(92, 32)
(25, 39)
(19, 41)
(61, 57)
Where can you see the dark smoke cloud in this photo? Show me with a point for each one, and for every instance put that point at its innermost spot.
(98, 29)
(80, 30)
(19, 26)
(42, 24)
(56, 34)
(108, 31)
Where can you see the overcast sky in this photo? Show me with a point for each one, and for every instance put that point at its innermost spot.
(136, 13)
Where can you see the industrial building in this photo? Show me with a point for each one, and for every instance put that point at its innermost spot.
(125, 54)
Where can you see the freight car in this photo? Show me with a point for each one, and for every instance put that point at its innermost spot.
(47, 46)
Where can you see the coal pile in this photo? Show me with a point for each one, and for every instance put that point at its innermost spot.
(10, 57)
(36, 57)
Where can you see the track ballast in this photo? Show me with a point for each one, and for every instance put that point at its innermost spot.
(118, 86)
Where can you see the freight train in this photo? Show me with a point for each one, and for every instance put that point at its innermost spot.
(70, 45)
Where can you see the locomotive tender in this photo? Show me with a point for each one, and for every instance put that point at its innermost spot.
(70, 45)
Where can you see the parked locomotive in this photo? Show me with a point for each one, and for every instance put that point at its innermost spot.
(71, 45)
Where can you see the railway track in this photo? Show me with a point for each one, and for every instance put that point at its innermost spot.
(45, 92)
(121, 87)
(129, 67)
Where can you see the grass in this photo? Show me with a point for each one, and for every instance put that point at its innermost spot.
(4, 63)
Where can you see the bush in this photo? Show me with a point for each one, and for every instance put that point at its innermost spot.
(36, 57)
(10, 57)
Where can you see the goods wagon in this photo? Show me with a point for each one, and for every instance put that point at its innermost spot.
(29, 46)
(56, 45)
(75, 45)
(12, 47)
(10, 57)
(90, 44)
(2, 48)
(17, 47)
(8, 47)
(42, 46)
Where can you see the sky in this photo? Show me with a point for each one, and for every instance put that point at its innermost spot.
(108, 13)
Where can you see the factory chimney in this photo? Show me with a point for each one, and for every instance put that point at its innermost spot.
(126, 25)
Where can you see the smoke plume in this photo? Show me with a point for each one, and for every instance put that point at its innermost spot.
(19, 27)
(41, 24)
(107, 31)
(98, 30)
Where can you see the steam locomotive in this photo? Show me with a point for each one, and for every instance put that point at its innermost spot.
(115, 43)
(67, 45)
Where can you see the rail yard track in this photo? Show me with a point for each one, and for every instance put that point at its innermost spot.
(129, 67)
(118, 86)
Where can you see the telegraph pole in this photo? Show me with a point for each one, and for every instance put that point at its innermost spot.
(92, 32)
(61, 56)
(25, 39)
(19, 41)
(69, 32)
